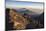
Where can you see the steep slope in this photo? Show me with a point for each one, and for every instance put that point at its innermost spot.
(19, 21)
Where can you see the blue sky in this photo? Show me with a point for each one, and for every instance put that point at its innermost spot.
(15, 4)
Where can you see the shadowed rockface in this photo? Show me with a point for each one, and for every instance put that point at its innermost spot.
(36, 21)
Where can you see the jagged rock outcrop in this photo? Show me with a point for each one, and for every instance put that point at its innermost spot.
(19, 21)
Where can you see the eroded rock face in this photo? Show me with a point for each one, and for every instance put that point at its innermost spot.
(19, 21)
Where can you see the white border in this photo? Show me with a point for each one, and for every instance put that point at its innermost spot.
(2, 17)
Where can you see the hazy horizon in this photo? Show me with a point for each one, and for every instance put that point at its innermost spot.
(22, 4)
(33, 6)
